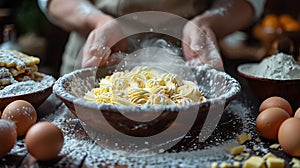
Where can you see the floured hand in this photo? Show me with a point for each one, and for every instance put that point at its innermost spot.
(200, 46)
(101, 42)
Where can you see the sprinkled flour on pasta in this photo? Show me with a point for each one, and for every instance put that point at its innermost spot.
(145, 85)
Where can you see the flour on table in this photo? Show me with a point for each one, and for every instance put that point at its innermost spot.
(78, 146)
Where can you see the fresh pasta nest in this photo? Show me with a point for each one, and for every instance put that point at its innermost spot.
(75, 88)
(145, 85)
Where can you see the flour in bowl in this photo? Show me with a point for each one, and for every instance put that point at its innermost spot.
(279, 66)
(26, 87)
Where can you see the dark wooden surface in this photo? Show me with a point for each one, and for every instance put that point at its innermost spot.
(80, 151)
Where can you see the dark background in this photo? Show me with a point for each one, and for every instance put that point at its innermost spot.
(41, 38)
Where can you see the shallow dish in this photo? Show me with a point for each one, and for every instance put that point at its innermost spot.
(106, 123)
(33, 92)
(265, 87)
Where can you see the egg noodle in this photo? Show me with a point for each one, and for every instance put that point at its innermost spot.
(145, 85)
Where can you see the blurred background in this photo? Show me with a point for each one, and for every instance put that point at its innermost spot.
(22, 25)
(27, 28)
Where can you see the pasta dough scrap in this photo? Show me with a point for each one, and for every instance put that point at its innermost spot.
(16, 67)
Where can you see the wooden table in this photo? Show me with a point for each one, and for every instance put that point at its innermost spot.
(80, 151)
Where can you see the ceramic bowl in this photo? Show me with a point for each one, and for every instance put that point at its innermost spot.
(101, 121)
(33, 92)
(265, 87)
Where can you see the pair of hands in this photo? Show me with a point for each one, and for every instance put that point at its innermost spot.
(199, 45)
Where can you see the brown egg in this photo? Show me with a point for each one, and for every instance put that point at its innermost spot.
(289, 137)
(8, 136)
(44, 141)
(297, 113)
(269, 121)
(276, 101)
(22, 113)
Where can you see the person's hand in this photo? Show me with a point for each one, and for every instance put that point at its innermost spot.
(200, 46)
(101, 42)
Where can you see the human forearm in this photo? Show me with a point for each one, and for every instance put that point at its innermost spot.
(76, 15)
(226, 17)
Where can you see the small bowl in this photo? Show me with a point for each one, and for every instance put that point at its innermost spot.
(101, 121)
(264, 87)
(35, 93)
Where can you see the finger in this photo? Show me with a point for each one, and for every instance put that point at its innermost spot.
(91, 61)
(197, 44)
(96, 60)
(194, 50)
(186, 47)
(205, 51)
(114, 58)
(87, 46)
(95, 52)
(99, 45)
(104, 60)
(213, 56)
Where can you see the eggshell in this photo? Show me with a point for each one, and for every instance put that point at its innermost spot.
(276, 101)
(22, 113)
(297, 113)
(289, 137)
(44, 141)
(8, 136)
(269, 121)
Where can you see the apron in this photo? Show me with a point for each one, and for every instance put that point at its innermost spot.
(117, 8)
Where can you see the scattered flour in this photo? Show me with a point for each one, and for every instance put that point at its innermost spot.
(78, 147)
(80, 150)
(279, 66)
(4, 125)
(95, 155)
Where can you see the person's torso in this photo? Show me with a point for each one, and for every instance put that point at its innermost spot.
(184, 8)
